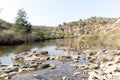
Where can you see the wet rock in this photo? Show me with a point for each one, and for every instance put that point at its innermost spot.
(18, 58)
(66, 57)
(88, 57)
(52, 58)
(47, 58)
(91, 52)
(117, 69)
(76, 73)
(105, 58)
(83, 67)
(93, 76)
(76, 60)
(74, 65)
(76, 57)
(7, 78)
(53, 66)
(12, 73)
(44, 66)
(93, 66)
(4, 75)
(64, 48)
(109, 75)
(35, 65)
(44, 58)
(117, 59)
(33, 58)
(3, 65)
(65, 78)
(43, 52)
(8, 70)
(116, 52)
(35, 75)
(31, 55)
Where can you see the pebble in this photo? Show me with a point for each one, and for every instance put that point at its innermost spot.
(65, 78)
(76, 73)
(35, 75)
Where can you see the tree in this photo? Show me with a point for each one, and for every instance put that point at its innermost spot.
(21, 23)
(60, 25)
(64, 23)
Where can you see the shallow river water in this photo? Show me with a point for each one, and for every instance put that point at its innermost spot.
(63, 68)
(7, 52)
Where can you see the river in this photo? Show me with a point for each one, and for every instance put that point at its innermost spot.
(7, 52)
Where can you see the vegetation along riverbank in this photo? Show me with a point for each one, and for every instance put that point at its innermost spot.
(103, 30)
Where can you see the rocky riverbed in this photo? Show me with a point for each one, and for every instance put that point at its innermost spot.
(86, 65)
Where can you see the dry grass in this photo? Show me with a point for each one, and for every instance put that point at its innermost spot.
(111, 39)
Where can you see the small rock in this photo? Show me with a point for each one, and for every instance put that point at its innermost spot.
(117, 70)
(53, 66)
(65, 78)
(95, 78)
(109, 76)
(35, 75)
(65, 57)
(4, 75)
(76, 60)
(76, 57)
(44, 66)
(82, 66)
(76, 73)
(7, 78)
(91, 52)
(74, 65)
(43, 52)
(3, 65)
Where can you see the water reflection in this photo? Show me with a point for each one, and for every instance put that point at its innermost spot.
(7, 52)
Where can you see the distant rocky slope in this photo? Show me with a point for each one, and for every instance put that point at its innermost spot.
(86, 26)
(77, 28)
(92, 26)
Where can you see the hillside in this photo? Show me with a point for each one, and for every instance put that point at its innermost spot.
(96, 28)
(75, 28)
(7, 25)
(86, 26)
(8, 35)
(4, 25)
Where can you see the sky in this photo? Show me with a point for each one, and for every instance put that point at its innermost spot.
(55, 12)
